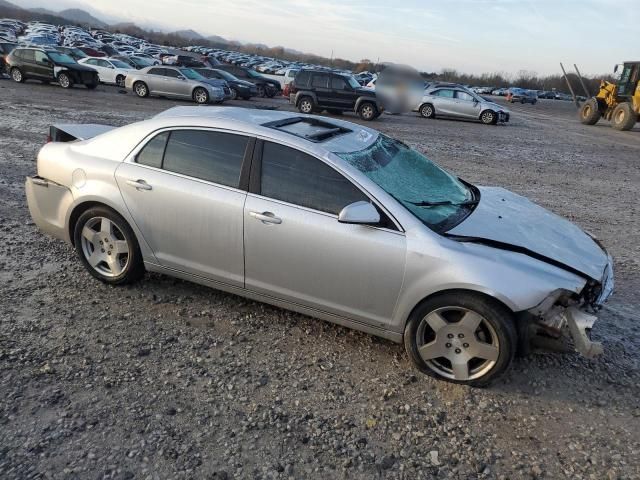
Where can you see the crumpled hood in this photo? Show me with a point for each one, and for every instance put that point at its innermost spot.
(505, 217)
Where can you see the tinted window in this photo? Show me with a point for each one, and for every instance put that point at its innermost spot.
(104, 63)
(168, 72)
(338, 83)
(213, 156)
(295, 177)
(302, 78)
(320, 81)
(28, 55)
(92, 61)
(40, 57)
(156, 71)
(444, 93)
(152, 152)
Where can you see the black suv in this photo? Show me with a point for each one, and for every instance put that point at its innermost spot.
(265, 86)
(49, 65)
(317, 90)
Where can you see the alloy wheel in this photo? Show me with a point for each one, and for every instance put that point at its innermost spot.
(367, 112)
(306, 106)
(201, 96)
(141, 90)
(16, 75)
(427, 111)
(64, 81)
(457, 343)
(105, 246)
(488, 117)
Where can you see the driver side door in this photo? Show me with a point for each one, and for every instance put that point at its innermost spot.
(43, 67)
(295, 248)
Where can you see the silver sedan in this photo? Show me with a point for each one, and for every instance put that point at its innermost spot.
(454, 101)
(327, 218)
(175, 82)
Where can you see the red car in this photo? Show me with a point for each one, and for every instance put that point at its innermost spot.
(92, 52)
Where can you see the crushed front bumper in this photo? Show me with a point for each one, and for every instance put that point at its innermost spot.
(579, 322)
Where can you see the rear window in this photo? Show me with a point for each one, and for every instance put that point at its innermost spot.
(302, 78)
(151, 154)
(213, 156)
(320, 81)
(28, 55)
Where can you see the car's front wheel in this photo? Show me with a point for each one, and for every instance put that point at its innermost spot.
(261, 91)
(120, 80)
(234, 93)
(367, 111)
(461, 337)
(200, 96)
(141, 89)
(65, 80)
(489, 117)
(108, 247)
(427, 111)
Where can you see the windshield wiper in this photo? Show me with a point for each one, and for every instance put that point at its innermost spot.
(445, 202)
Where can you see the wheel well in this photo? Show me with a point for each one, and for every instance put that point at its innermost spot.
(487, 110)
(79, 210)
(486, 296)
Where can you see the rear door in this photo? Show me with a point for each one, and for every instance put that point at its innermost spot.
(296, 250)
(320, 84)
(155, 80)
(183, 191)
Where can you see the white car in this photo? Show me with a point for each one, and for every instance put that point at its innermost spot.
(110, 70)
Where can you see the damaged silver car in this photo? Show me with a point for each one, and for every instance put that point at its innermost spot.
(327, 218)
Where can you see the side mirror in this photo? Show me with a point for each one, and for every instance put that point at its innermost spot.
(361, 213)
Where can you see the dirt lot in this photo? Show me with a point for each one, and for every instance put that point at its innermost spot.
(166, 379)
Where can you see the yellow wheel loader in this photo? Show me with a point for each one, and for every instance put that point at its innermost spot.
(617, 102)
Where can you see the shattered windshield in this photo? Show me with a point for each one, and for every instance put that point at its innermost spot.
(436, 197)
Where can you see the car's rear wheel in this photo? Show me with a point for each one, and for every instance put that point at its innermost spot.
(427, 111)
(305, 105)
(261, 91)
(461, 337)
(367, 111)
(623, 117)
(120, 80)
(590, 112)
(141, 89)
(108, 247)
(65, 80)
(16, 75)
(234, 93)
(489, 117)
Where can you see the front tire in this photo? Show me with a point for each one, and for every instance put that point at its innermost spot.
(590, 112)
(120, 81)
(623, 117)
(427, 111)
(489, 117)
(107, 246)
(261, 91)
(234, 94)
(461, 337)
(200, 96)
(65, 80)
(367, 111)
(16, 75)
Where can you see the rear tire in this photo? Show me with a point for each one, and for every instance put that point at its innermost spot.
(234, 94)
(306, 105)
(367, 111)
(107, 246)
(16, 75)
(590, 112)
(427, 111)
(141, 89)
(65, 80)
(461, 337)
(261, 91)
(270, 93)
(623, 117)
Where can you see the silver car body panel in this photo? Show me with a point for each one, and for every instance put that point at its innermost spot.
(458, 108)
(499, 217)
(169, 86)
(363, 277)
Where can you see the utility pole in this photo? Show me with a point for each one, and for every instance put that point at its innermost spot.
(575, 100)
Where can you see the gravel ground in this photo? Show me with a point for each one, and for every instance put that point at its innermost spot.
(167, 379)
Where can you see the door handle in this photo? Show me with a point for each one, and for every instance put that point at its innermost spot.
(266, 217)
(139, 184)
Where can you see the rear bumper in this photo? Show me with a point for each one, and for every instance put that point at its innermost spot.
(48, 205)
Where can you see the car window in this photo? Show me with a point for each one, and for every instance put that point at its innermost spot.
(104, 63)
(151, 154)
(464, 96)
(92, 61)
(295, 177)
(320, 81)
(156, 71)
(444, 93)
(338, 83)
(212, 156)
(28, 55)
(302, 78)
(40, 56)
(168, 72)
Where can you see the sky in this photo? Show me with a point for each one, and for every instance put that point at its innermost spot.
(473, 36)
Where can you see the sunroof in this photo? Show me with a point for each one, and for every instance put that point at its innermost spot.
(310, 129)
